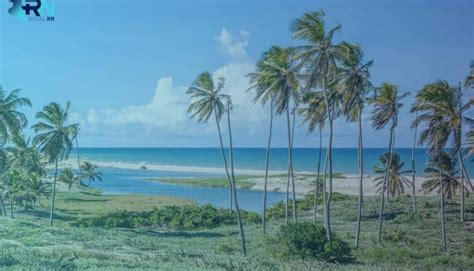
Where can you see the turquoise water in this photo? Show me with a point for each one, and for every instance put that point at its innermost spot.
(125, 181)
(305, 159)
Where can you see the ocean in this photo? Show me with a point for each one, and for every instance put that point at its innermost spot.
(304, 159)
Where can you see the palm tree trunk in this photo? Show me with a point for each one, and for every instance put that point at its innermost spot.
(384, 185)
(441, 184)
(389, 179)
(289, 164)
(316, 193)
(239, 220)
(267, 159)
(361, 179)
(326, 162)
(295, 217)
(53, 194)
(225, 160)
(79, 161)
(329, 155)
(2, 205)
(11, 204)
(413, 184)
(462, 196)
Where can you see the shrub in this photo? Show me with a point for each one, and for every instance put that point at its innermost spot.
(308, 240)
(186, 217)
(302, 205)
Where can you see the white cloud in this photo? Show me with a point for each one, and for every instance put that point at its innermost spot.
(167, 109)
(166, 113)
(234, 45)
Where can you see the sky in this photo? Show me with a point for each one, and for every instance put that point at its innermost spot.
(125, 64)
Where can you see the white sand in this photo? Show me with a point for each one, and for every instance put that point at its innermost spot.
(347, 185)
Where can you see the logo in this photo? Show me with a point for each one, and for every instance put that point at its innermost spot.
(32, 10)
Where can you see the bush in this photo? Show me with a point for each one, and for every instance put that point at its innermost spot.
(308, 240)
(186, 217)
(303, 205)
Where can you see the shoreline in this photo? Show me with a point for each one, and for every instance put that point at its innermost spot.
(249, 179)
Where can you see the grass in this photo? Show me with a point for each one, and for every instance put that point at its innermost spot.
(242, 182)
(410, 241)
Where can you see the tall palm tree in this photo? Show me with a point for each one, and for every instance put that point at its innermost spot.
(207, 100)
(413, 178)
(68, 177)
(276, 78)
(314, 113)
(386, 105)
(397, 182)
(90, 172)
(239, 219)
(262, 85)
(354, 80)
(439, 106)
(451, 182)
(319, 58)
(12, 122)
(54, 139)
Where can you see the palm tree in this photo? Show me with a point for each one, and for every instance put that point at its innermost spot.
(68, 177)
(90, 172)
(11, 120)
(37, 188)
(239, 219)
(439, 106)
(260, 82)
(276, 78)
(25, 157)
(13, 182)
(354, 80)
(397, 182)
(386, 105)
(314, 113)
(206, 100)
(451, 183)
(413, 179)
(319, 60)
(54, 139)
(11, 123)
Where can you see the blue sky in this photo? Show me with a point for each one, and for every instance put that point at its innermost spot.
(125, 65)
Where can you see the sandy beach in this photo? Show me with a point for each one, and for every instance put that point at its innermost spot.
(348, 184)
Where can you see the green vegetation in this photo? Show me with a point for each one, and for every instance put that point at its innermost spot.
(307, 240)
(242, 182)
(187, 217)
(91, 203)
(410, 240)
